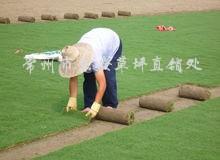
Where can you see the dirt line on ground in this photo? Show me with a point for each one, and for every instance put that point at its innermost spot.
(97, 128)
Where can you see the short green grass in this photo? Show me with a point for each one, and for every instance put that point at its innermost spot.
(31, 106)
(192, 134)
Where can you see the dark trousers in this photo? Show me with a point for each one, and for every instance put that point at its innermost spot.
(110, 95)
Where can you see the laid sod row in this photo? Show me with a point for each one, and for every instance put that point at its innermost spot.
(193, 134)
(32, 105)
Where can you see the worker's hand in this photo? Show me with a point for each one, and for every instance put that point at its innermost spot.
(72, 104)
(94, 110)
(87, 109)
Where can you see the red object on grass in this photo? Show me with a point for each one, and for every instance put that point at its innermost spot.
(163, 28)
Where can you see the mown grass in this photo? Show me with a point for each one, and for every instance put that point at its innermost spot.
(31, 105)
(193, 134)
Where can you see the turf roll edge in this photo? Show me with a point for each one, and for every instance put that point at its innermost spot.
(26, 19)
(194, 92)
(115, 115)
(156, 103)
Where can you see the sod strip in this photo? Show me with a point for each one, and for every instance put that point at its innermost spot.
(75, 136)
(187, 135)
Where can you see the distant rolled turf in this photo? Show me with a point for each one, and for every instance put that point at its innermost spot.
(71, 16)
(124, 13)
(26, 19)
(108, 14)
(91, 15)
(48, 17)
(4, 20)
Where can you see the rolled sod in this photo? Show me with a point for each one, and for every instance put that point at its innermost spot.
(71, 16)
(48, 17)
(108, 14)
(194, 92)
(4, 20)
(26, 19)
(124, 13)
(156, 103)
(91, 15)
(115, 115)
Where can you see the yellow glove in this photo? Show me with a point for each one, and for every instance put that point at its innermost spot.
(94, 110)
(72, 104)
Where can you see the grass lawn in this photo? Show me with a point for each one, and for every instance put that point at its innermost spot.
(192, 134)
(31, 106)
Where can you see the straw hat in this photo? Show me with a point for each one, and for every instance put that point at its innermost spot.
(76, 59)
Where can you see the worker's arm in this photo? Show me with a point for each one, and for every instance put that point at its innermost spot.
(73, 86)
(100, 78)
(73, 89)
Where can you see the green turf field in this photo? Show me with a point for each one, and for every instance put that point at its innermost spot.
(31, 106)
(192, 134)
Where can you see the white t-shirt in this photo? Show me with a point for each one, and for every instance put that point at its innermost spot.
(105, 44)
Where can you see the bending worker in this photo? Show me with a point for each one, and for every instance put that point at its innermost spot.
(95, 55)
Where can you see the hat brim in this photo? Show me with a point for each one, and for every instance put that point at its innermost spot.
(68, 69)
